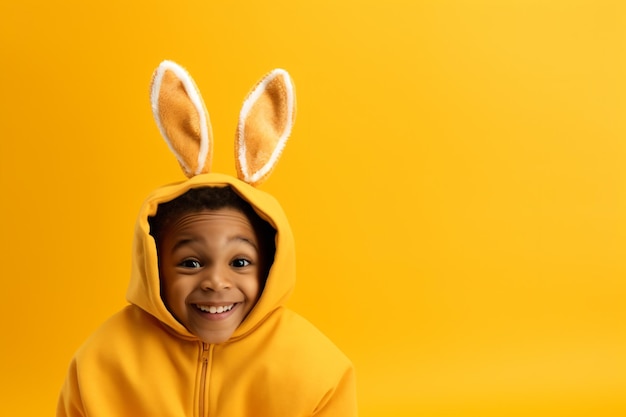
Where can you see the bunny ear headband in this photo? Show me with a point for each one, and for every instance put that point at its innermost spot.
(265, 122)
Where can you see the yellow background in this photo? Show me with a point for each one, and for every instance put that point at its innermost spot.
(456, 182)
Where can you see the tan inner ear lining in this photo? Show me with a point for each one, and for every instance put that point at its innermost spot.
(265, 124)
(180, 119)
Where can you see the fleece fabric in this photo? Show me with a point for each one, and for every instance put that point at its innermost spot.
(143, 362)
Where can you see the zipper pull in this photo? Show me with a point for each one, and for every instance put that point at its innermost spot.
(206, 348)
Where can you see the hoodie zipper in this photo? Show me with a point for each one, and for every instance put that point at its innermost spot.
(205, 357)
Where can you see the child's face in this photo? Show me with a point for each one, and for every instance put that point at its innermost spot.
(210, 271)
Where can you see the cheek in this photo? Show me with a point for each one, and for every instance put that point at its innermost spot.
(252, 289)
(176, 294)
(173, 293)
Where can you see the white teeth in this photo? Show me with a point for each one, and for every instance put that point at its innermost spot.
(214, 310)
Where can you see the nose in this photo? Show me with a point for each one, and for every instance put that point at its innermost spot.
(214, 279)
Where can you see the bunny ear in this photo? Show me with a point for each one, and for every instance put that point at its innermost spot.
(265, 123)
(182, 118)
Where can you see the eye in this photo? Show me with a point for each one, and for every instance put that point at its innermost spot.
(240, 263)
(190, 263)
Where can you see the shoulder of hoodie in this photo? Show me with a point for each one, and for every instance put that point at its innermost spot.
(131, 326)
(299, 339)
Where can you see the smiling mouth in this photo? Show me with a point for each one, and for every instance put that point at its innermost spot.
(214, 309)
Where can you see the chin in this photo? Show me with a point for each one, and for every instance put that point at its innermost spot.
(216, 337)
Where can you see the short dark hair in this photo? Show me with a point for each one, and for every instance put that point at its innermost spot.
(215, 198)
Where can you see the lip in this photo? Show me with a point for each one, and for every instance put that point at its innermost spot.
(214, 316)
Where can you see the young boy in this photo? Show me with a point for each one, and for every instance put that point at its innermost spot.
(207, 332)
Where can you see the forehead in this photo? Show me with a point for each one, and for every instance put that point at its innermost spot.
(225, 220)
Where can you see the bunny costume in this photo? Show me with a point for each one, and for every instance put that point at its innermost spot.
(143, 362)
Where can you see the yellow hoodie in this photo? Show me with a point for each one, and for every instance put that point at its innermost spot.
(143, 362)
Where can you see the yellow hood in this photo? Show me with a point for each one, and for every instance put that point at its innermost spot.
(144, 287)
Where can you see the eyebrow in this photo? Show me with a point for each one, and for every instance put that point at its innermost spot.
(183, 242)
(244, 239)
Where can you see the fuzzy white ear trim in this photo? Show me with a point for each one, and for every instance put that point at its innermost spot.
(196, 100)
(245, 110)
